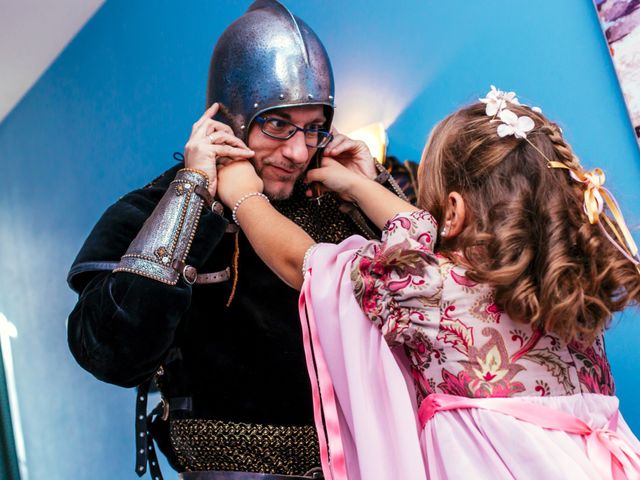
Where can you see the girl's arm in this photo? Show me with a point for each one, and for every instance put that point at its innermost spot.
(279, 242)
(377, 203)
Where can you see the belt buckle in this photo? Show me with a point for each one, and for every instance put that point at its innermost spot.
(190, 274)
(165, 409)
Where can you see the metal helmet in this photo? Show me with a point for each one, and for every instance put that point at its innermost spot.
(266, 59)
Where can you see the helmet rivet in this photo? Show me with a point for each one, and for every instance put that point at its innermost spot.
(282, 96)
(255, 105)
(310, 97)
(330, 97)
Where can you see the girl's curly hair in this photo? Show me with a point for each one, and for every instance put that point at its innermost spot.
(525, 233)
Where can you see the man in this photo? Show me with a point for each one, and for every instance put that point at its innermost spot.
(172, 293)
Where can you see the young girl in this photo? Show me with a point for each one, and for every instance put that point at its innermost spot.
(497, 289)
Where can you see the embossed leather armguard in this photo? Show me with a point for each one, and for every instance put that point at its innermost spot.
(160, 249)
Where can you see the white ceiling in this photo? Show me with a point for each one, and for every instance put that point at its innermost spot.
(32, 34)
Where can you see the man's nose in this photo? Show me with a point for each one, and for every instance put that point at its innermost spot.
(295, 149)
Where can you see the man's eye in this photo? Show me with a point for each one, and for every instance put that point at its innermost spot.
(314, 127)
(277, 124)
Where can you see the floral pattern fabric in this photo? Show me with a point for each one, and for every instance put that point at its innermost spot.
(458, 340)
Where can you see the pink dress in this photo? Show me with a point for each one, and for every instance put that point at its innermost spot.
(548, 408)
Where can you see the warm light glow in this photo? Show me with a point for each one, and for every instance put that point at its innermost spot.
(375, 136)
(7, 328)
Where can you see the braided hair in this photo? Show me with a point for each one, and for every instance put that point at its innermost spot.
(525, 233)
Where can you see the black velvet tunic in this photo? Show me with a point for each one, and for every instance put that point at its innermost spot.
(242, 363)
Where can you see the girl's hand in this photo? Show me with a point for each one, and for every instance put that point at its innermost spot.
(353, 154)
(235, 180)
(336, 177)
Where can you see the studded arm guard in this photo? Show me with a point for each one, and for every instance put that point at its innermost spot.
(160, 249)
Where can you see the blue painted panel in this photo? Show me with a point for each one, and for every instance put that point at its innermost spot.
(107, 115)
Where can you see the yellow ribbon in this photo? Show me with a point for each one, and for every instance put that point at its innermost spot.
(595, 199)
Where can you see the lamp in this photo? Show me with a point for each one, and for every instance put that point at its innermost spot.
(375, 136)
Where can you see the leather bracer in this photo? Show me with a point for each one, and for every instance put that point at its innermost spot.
(160, 249)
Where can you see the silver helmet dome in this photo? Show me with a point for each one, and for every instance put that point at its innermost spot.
(266, 59)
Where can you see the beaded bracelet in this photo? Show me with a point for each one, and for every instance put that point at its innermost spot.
(307, 256)
(239, 202)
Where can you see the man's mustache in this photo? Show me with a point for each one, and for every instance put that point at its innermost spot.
(293, 168)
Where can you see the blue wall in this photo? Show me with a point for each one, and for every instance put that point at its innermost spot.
(107, 115)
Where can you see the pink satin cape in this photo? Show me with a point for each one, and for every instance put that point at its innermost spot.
(367, 423)
(371, 429)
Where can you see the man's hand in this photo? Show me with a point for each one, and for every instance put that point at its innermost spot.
(237, 179)
(353, 154)
(211, 141)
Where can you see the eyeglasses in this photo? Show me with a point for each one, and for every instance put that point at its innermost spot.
(281, 129)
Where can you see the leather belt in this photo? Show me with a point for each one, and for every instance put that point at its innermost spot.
(215, 277)
(315, 474)
(191, 275)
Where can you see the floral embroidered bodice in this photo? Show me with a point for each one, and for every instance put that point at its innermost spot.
(459, 341)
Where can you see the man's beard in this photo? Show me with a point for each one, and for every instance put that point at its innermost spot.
(280, 194)
(288, 182)
(275, 196)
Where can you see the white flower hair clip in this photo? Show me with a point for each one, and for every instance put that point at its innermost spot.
(496, 102)
(596, 197)
(513, 124)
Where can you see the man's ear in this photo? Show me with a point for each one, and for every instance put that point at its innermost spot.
(454, 216)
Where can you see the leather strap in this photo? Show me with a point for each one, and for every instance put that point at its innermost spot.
(204, 194)
(384, 176)
(215, 277)
(191, 275)
(145, 449)
(183, 404)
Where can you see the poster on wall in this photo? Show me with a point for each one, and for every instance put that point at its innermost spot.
(620, 21)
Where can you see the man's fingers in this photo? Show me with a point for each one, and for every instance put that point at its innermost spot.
(208, 113)
(209, 126)
(212, 110)
(327, 162)
(347, 145)
(199, 151)
(337, 141)
(233, 152)
(220, 138)
(216, 126)
(317, 175)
